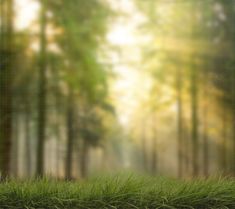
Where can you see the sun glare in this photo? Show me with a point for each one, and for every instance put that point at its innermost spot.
(26, 13)
(131, 85)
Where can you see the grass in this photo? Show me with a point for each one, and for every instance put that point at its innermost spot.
(119, 192)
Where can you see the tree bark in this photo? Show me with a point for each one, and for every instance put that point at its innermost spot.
(180, 122)
(84, 159)
(205, 129)
(27, 140)
(223, 146)
(233, 120)
(42, 93)
(194, 109)
(6, 63)
(16, 144)
(194, 96)
(57, 154)
(70, 136)
(187, 150)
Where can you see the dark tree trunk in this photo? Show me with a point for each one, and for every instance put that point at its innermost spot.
(223, 146)
(233, 120)
(57, 154)
(58, 121)
(6, 62)
(28, 140)
(205, 128)
(42, 93)
(205, 144)
(194, 95)
(70, 136)
(187, 150)
(233, 152)
(84, 159)
(180, 122)
(194, 109)
(15, 145)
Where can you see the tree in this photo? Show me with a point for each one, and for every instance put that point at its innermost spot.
(6, 75)
(154, 164)
(42, 90)
(179, 120)
(70, 135)
(84, 75)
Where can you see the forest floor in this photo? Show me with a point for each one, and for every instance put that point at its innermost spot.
(120, 192)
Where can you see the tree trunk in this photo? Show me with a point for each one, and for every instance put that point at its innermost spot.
(58, 121)
(194, 95)
(205, 144)
(186, 154)
(84, 159)
(233, 120)
(194, 109)
(154, 149)
(180, 122)
(57, 154)
(6, 63)
(42, 93)
(223, 146)
(70, 135)
(205, 129)
(144, 149)
(28, 140)
(15, 145)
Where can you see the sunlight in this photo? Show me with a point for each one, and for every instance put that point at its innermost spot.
(132, 84)
(121, 35)
(93, 87)
(26, 12)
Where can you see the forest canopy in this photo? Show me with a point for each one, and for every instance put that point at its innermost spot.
(103, 85)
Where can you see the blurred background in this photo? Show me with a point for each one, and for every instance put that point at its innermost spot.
(95, 86)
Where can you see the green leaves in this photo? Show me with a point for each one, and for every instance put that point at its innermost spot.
(84, 25)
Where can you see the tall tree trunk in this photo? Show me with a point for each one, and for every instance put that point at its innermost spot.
(205, 144)
(58, 122)
(180, 122)
(186, 137)
(144, 147)
(42, 93)
(84, 159)
(15, 145)
(233, 120)
(205, 128)
(223, 146)
(70, 135)
(77, 157)
(194, 94)
(57, 154)
(6, 63)
(28, 139)
(154, 149)
(194, 109)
